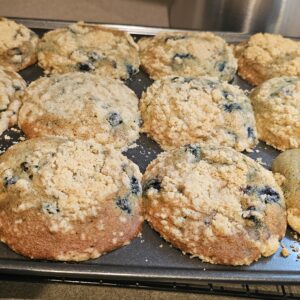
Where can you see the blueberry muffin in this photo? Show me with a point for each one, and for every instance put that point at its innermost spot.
(89, 48)
(181, 110)
(288, 165)
(187, 54)
(18, 45)
(81, 105)
(265, 56)
(214, 203)
(67, 200)
(276, 105)
(12, 88)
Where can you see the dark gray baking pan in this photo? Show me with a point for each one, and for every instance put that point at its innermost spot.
(149, 257)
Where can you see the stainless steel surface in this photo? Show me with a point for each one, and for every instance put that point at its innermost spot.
(278, 16)
(231, 37)
(149, 257)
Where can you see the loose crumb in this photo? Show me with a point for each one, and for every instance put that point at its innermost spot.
(133, 146)
(259, 160)
(294, 248)
(285, 252)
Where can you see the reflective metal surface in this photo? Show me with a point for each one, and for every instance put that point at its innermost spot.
(277, 16)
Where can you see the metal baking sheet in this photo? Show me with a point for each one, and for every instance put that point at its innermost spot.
(149, 257)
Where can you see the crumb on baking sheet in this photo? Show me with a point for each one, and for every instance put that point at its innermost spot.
(285, 252)
(294, 248)
(259, 160)
(133, 146)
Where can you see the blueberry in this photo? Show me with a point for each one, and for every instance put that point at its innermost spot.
(135, 186)
(50, 208)
(154, 183)
(251, 208)
(207, 221)
(85, 67)
(195, 150)
(248, 190)
(10, 180)
(182, 56)
(130, 70)
(24, 166)
(93, 56)
(124, 204)
(229, 107)
(287, 91)
(114, 119)
(250, 133)
(188, 79)
(19, 33)
(174, 38)
(268, 195)
(114, 64)
(16, 87)
(221, 66)
(227, 94)
(15, 51)
(248, 215)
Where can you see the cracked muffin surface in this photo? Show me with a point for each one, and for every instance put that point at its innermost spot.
(276, 105)
(89, 48)
(12, 88)
(187, 54)
(68, 200)
(81, 105)
(214, 203)
(181, 110)
(18, 45)
(264, 56)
